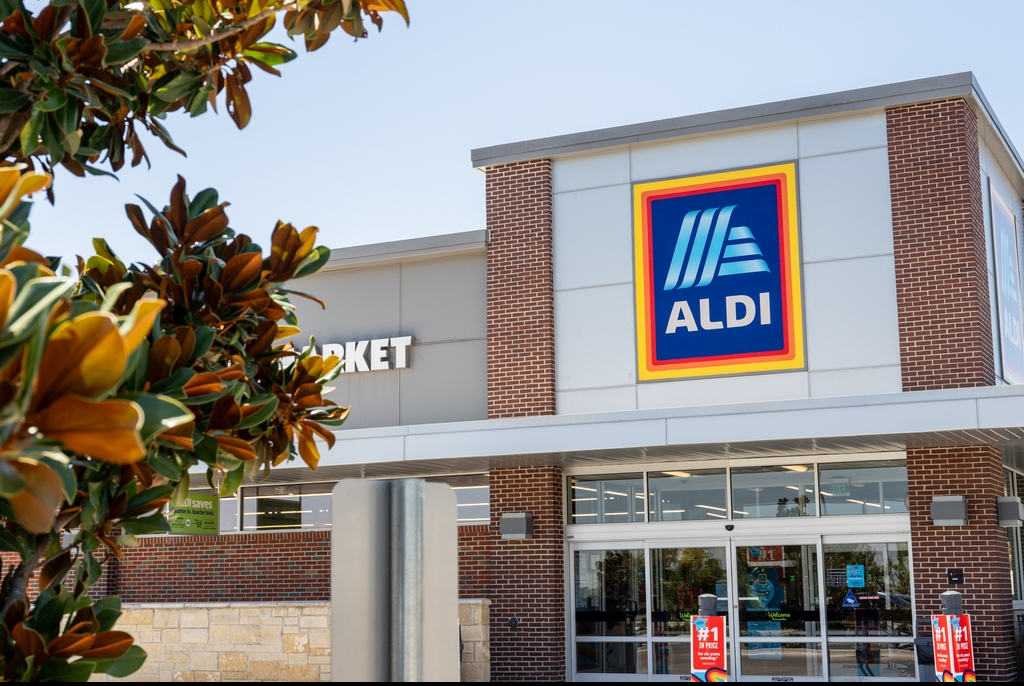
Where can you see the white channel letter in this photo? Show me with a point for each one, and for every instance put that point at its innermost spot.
(705, 316)
(731, 301)
(675, 321)
(336, 349)
(401, 345)
(766, 308)
(355, 356)
(379, 355)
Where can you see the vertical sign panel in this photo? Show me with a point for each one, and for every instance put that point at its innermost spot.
(1004, 229)
(707, 648)
(717, 272)
(953, 645)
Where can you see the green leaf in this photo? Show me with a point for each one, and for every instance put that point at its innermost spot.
(11, 482)
(314, 262)
(30, 309)
(94, 10)
(269, 403)
(160, 413)
(59, 669)
(172, 385)
(113, 293)
(204, 339)
(179, 86)
(122, 51)
(52, 100)
(163, 466)
(270, 54)
(12, 49)
(147, 496)
(107, 611)
(53, 139)
(11, 100)
(204, 200)
(146, 525)
(30, 132)
(67, 477)
(232, 480)
(123, 666)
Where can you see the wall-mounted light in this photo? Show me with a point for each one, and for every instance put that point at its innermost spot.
(516, 525)
(1011, 511)
(949, 510)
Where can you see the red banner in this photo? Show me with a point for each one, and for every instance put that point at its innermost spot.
(707, 649)
(953, 644)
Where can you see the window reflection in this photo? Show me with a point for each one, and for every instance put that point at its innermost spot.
(777, 491)
(868, 589)
(302, 506)
(606, 499)
(611, 597)
(876, 487)
(780, 659)
(611, 658)
(686, 495)
(778, 590)
(678, 577)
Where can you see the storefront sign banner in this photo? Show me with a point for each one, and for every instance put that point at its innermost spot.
(953, 645)
(197, 516)
(707, 649)
(717, 273)
(1004, 228)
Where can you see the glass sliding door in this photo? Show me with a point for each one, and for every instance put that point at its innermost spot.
(678, 577)
(778, 611)
(610, 611)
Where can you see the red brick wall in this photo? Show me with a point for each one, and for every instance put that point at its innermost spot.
(939, 236)
(528, 578)
(475, 561)
(980, 548)
(520, 295)
(246, 567)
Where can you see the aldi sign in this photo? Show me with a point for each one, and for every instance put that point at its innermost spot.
(717, 268)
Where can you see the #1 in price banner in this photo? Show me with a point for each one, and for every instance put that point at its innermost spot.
(954, 648)
(707, 649)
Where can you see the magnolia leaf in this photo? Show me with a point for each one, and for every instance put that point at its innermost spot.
(113, 293)
(35, 507)
(314, 262)
(160, 413)
(232, 480)
(11, 100)
(181, 85)
(140, 322)
(107, 429)
(123, 666)
(260, 409)
(270, 54)
(85, 356)
(11, 482)
(122, 51)
(145, 525)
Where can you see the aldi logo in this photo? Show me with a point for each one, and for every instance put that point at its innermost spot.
(717, 269)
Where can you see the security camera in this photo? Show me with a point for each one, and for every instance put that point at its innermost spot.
(730, 527)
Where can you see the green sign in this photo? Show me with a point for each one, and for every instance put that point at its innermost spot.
(197, 516)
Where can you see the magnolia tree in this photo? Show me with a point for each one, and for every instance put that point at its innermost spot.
(81, 79)
(114, 385)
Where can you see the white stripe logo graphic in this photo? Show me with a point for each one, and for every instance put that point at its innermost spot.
(735, 254)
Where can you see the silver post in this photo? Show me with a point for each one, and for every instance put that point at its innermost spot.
(952, 603)
(707, 604)
(407, 496)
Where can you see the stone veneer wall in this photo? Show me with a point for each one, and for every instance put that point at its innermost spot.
(475, 630)
(274, 641)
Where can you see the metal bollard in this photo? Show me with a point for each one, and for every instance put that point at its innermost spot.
(952, 603)
(407, 499)
(707, 604)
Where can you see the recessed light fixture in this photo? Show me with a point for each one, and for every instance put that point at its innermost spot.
(681, 475)
(795, 467)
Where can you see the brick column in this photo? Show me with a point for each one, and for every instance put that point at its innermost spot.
(528, 578)
(980, 549)
(939, 239)
(520, 294)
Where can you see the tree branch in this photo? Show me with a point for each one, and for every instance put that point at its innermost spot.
(23, 574)
(214, 37)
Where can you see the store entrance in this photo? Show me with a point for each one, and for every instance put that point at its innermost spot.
(790, 617)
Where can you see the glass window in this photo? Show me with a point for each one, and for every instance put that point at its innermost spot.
(882, 660)
(691, 494)
(785, 491)
(472, 497)
(673, 658)
(868, 589)
(780, 659)
(229, 514)
(606, 499)
(299, 506)
(678, 577)
(778, 590)
(876, 487)
(611, 599)
(611, 658)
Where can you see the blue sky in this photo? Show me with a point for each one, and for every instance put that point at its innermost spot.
(370, 140)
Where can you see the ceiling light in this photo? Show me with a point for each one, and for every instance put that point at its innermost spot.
(681, 475)
(795, 467)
